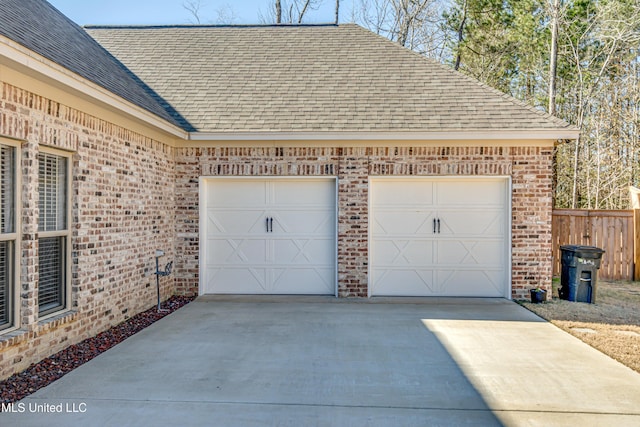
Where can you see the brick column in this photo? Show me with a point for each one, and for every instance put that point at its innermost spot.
(28, 252)
(186, 271)
(353, 223)
(532, 207)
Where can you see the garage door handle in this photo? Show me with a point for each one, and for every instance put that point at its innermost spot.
(434, 226)
(271, 225)
(438, 225)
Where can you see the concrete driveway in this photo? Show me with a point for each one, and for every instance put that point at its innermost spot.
(315, 361)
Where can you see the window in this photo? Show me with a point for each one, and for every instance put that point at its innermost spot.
(53, 231)
(8, 234)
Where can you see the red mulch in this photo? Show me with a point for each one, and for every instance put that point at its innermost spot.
(50, 369)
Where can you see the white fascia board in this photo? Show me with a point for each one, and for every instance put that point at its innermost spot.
(40, 65)
(559, 134)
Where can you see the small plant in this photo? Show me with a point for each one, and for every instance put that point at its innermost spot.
(538, 295)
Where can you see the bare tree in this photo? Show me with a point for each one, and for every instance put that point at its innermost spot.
(226, 15)
(411, 13)
(414, 24)
(337, 11)
(193, 7)
(289, 11)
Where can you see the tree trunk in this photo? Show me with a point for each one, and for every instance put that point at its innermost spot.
(461, 36)
(337, 11)
(278, 12)
(553, 57)
(304, 10)
(576, 162)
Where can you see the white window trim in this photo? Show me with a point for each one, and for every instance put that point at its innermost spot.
(15, 237)
(66, 306)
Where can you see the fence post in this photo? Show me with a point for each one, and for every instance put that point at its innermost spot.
(636, 244)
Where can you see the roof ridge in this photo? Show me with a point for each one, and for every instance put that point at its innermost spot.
(185, 26)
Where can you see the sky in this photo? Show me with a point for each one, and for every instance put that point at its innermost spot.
(161, 12)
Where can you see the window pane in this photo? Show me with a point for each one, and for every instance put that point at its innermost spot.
(51, 285)
(5, 282)
(53, 192)
(7, 184)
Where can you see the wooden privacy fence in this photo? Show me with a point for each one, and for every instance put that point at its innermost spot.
(615, 231)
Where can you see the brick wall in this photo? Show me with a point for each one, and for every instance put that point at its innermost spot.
(529, 167)
(123, 208)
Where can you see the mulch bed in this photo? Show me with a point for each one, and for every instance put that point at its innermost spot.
(52, 368)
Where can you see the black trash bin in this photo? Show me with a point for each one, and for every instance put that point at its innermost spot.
(580, 266)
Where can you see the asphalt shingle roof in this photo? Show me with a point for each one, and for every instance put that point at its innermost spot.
(41, 28)
(309, 79)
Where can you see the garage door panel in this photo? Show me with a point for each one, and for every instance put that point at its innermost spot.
(396, 222)
(468, 282)
(487, 253)
(465, 256)
(413, 194)
(246, 281)
(474, 222)
(302, 251)
(237, 193)
(308, 193)
(317, 222)
(292, 254)
(236, 221)
(468, 192)
(391, 282)
(237, 252)
(287, 280)
(398, 252)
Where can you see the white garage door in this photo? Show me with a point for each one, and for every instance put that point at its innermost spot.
(267, 236)
(439, 237)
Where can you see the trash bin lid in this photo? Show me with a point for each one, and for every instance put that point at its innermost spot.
(583, 251)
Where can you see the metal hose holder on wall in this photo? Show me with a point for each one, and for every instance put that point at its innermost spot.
(159, 273)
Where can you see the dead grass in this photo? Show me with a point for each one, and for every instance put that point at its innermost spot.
(611, 325)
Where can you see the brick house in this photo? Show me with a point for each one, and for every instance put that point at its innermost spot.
(262, 160)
